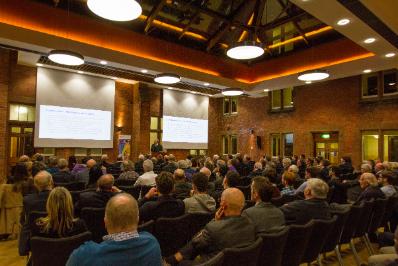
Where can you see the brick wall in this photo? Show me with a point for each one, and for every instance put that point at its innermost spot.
(4, 87)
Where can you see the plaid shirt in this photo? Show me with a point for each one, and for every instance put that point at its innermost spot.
(121, 236)
(288, 190)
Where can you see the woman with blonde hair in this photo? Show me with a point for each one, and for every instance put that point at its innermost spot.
(59, 221)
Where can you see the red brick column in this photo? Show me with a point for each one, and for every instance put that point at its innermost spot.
(4, 87)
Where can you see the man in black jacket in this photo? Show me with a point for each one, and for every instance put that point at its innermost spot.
(228, 230)
(63, 175)
(34, 202)
(313, 207)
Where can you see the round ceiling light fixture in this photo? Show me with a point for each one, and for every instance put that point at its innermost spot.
(116, 10)
(343, 22)
(313, 75)
(232, 92)
(245, 50)
(390, 55)
(369, 40)
(64, 57)
(167, 78)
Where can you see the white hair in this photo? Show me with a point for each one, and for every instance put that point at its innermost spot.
(147, 165)
(319, 189)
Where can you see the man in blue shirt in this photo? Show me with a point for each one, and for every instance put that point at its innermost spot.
(123, 245)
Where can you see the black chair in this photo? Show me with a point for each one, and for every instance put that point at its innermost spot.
(333, 239)
(272, 250)
(350, 226)
(296, 243)
(147, 227)
(198, 221)
(392, 203)
(124, 182)
(172, 233)
(319, 235)
(55, 251)
(217, 260)
(247, 256)
(363, 225)
(133, 191)
(379, 209)
(246, 190)
(73, 186)
(34, 215)
(94, 218)
(278, 202)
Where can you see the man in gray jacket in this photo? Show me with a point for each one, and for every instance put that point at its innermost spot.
(200, 201)
(266, 217)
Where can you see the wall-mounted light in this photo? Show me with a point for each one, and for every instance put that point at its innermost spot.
(118, 129)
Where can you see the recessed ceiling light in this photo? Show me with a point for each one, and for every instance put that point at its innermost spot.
(115, 78)
(367, 71)
(64, 57)
(343, 22)
(117, 10)
(167, 78)
(144, 71)
(38, 64)
(369, 40)
(390, 55)
(103, 62)
(308, 82)
(80, 72)
(266, 90)
(206, 84)
(313, 75)
(245, 50)
(232, 92)
(391, 84)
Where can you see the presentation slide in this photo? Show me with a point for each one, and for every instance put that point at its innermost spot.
(184, 130)
(74, 123)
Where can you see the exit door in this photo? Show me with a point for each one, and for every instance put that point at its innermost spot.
(327, 146)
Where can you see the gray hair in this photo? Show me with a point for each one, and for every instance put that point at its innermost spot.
(286, 161)
(148, 165)
(293, 168)
(258, 166)
(62, 163)
(319, 189)
(182, 164)
(127, 166)
(367, 168)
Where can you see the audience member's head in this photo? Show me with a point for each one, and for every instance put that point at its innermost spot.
(127, 166)
(387, 177)
(62, 164)
(43, 181)
(231, 179)
(20, 172)
(258, 166)
(261, 189)
(325, 162)
(182, 164)
(141, 157)
(105, 182)
(366, 168)
(316, 189)
(148, 166)
(179, 175)
(205, 171)
(312, 172)
(293, 168)
(200, 183)
(72, 161)
(90, 163)
(334, 171)
(121, 214)
(286, 162)
(368, 179)
(104, 158)
(346, 159)
(24, 159)
(288, 178)
(164, 183)
(172, 158)
(232, 201)
(94, 174)
(52, 161)
(37, 157)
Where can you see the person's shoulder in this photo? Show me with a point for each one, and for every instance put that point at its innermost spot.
(86, 250)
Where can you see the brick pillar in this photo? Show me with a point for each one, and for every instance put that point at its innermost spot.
(4, 86)
(136, 123)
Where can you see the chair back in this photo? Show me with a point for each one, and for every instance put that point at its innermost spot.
(133, 191)
(320, 233)
(390, 208)
(34, 215)
(296, 243)
(278, 202)
(351, 224)
(172, 233)
(379, 208)
(55, 251)
(217, 260)
(247, 256)
(335, 234)
(364, 219)
(73, 186)
(246, 190)
(198, 221)
(272, 250)
(124, 182)
(94, 219)
(148, 227)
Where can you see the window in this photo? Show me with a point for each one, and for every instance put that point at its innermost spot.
(370, 85)
(282, 99)
(230, 144)
(156, 129)
(198, 152)
(96, 152)
(276, 144)
(288, 144)
(230, 106)
(81, 152)
(22, 113)
(390, 146)
(282, 144)
(48, 151)
(390, 82)
(370, 145)
(380, 84)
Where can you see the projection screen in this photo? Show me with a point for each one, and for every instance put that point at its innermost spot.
(185, 120)
(73, 110)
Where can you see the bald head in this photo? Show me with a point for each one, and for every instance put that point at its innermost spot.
(233, 200)
(205, 171)
(24, 158)
(90, 163)
(121, 214)
(105, 182)
(43, 181)
(179, 174)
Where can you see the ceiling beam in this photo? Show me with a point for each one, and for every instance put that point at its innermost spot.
(154, 12)
(295, 24)
(192, 20)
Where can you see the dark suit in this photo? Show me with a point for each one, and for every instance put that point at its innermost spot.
(182, 190)
(93, 199)
(266, 217)
(302, 211)
(229, 232)
(163, 206)
(370, 193)
(31, 202)
(63, 177)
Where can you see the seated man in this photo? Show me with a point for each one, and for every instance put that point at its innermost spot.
(266, 217)
(200, 201)
(370, 188)
(164, 205)
(123, 245)
(84, 175)
(182, 188)
(98, 198)
(257, 170)
(63, 175)
(313, 207)
(34, 202)
(229, 229)
(148, 178)
(310, 172)
(386, 178)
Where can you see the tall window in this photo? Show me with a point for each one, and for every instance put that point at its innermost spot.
(380, 84)
(156, 129)
(282, 144)
(370, 145)
(230, 106)
(282, 99)
(390, 147)
(22, 113)
(230, 144)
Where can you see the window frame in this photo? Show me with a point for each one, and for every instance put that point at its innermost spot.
(230, 100)
(158, 131)
(229, 137)
(281, 137)
(381, 96)
(282, 107)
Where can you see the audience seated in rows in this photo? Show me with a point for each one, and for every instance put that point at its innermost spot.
(148, 178)
(128, 172)
(311, 172)
(82, 173)
(200, 201)
(63, 174)
(265, 216)
(370, 188)
(386, 180)
(123, 245)
(182, 188)
(171, 165)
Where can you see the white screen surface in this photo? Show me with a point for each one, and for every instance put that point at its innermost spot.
(185, 120)
(74, 123)
(73, 110)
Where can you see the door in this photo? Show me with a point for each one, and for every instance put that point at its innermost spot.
(393, 149)
(20, 142)
(327, 146)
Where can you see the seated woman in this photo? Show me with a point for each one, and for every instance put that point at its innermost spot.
(128, 171)
(94, 174)
(59, 221)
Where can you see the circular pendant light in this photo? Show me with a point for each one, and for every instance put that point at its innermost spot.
(64, 57)
(117, 10)
(232, 92)
(245, 50)
(167, 78)
(313, 75)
